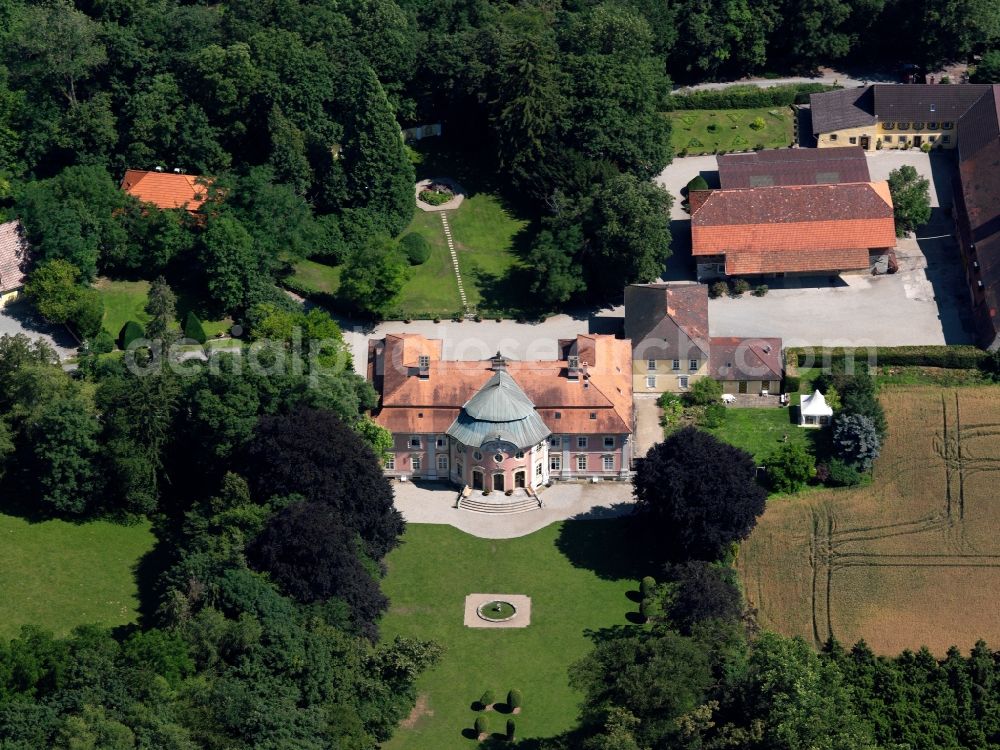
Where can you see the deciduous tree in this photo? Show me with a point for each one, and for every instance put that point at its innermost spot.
(911, 199)
(696, 495)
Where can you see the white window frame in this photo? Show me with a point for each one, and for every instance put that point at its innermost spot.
(651, 365)
(441, 442)
(608, 463)
(675, 365)
(693, 365)
(415, 443)
(555, 441)
(581, 441)
(651, 381)
(682, 382)
(390, 462)
(519, 454)
(415, 463)
(581, 462)
(555, 462)
(609, 441)
(442, 461)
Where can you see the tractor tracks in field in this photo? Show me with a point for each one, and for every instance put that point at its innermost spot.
(834, 548)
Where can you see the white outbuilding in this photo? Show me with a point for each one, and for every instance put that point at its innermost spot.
(814, 411)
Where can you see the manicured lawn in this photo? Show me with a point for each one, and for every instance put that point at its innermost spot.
(317, 276)
(59, 575)
(126, 300)
(431, 289)
(704, 131)
(577, 574)
(484, 232)
(123, 301)
(760, 431)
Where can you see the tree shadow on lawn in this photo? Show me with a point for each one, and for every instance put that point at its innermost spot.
(475, 169)
(606, 547)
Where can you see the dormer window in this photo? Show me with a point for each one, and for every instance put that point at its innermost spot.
(918, 126)
(932, 126)
(947, 125)
(904, 126)
(888, 126)
(558, 415)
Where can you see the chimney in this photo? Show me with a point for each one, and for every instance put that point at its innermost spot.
(498, 362)
(573, 367)
(424, 367)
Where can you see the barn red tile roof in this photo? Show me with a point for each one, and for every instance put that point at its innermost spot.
(13, 256)
(167, 190)
(830, 218)
(411, 404)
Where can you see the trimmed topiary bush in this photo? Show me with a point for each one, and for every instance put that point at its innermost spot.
(511, 729)
(646, 586)
(697, 183)
(193, 328)
(416, 248)
(482, 726)
(129, 333)
(488, 700)
(514, 700)
(760, 290)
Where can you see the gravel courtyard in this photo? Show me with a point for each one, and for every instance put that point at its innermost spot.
(925, 303)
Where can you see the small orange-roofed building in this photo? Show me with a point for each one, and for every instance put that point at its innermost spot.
(167, 190)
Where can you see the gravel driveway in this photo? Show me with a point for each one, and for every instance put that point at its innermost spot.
(19, 317)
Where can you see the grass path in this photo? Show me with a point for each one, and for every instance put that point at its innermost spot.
(577, 574)
(58, 575)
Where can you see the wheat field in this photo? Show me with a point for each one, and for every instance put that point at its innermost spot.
(912, 559)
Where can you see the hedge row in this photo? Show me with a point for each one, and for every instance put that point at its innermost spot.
(746, 95)
(952, 357)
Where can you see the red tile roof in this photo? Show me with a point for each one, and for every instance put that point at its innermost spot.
(13, 256)
(838, 217)
(667, 321)
(409, 404)
(796, 261)
(167, 190)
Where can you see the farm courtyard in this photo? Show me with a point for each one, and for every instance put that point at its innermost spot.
(912, 559)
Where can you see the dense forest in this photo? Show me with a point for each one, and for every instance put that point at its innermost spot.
(294, 107)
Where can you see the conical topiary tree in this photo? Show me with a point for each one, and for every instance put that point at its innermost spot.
(646, 586)
(514, 700)
(511, 729)
(488, 700)
(193, 329)
(129, 333)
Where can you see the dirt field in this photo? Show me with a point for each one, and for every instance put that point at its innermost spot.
(913, 559)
